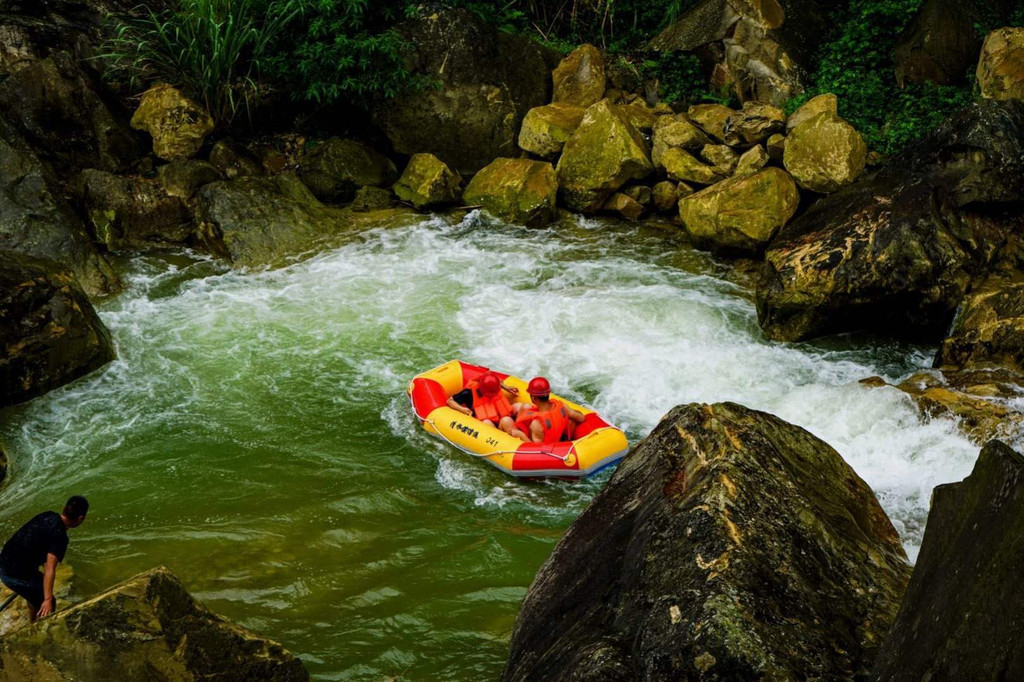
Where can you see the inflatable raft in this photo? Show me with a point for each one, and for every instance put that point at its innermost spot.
(595, 443)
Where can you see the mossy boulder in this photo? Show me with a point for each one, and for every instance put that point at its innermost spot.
(751, 161)
(335, 168)
(1001, 66)
(517, 190)
(49, 333)
(825, 153)
(602, 155)
(727, 545)
(372, 199)
(716, 120)
(428, 182)
(988, 329)
(132, 212)
(546, 129)
(960, 617)
(177, 124)
(146, 628)
(826, 103)
(683, 166)
(675, 131)
(182, 179)
(579, 79)
(742, 213)
(722, 157)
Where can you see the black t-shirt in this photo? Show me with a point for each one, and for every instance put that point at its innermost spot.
(464, 398)
(26, 551)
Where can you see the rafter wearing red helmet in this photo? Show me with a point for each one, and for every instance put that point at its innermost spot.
(547, 420)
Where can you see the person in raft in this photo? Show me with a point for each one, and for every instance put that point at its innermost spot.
(43, 541)
(485, 400)
(547, 420)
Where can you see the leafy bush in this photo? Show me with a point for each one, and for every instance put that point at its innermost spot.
(212, 49)
(681, 79)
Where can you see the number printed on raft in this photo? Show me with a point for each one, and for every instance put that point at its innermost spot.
(468, 430)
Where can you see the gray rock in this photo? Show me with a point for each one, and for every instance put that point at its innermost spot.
(132, 212)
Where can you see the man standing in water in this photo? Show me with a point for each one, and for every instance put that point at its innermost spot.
(42, 541)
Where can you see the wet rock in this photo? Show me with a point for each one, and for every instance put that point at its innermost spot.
(517, 190)
(148, 627)
(988, 329)
(36, 220)
(182, 179)
(822, 104)
(428, 182)
(722, 157)
(756, 122)
(665, 196)
(676, 131)
(681, 165)
(579, 78)
(960, 618)
(1001, 66)
(624, 206)
(371, 199)
(896, 252)
(49, 333)
(546, 129)
(825, 153)
(751, 161)
(132, 212)
(336, 168)
(602, 155)
(268, 220)
(727, 545)
(487, 79)
(177, 125)
(53, 105)
(234, 160)
(740, 214)
(716, 120)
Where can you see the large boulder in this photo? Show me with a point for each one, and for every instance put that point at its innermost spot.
(961, 616)
(54, 106)
(486, 82)
(36, 220)
(988, 329)
(147, 628)
(579, 78)
(268, 220)
(742, 213)
(427, 182)
(335, 168)
(177, 124)
(1001, 66)
(825, 153)
(896, 252)
(728, 545)
(132, 212)
(517, 190)
(546, 129)
(763, 49)
(602, 155)
(49, 332)
(826, 103)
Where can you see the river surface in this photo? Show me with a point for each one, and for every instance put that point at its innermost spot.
(254, 435)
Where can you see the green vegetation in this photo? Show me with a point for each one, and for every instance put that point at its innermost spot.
(681, 79)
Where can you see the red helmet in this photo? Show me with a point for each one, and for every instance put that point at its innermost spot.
(490, 384)
(539, 386)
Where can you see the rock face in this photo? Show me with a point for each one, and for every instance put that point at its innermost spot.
(988, 329)
(579, 78)
(960, 617)
(546, 129)
(1001, 67)
(517, 190)
(428, 182)
(728, 545)
(825, 153)
(148, 627)
(939, 45)
(897, 251)
(742, 213)
(602, 155)
(132, 212)
(49, 332)
(177, 125)
(36, 220)
(488, 81)
(336, 168)
(761, 48)
(267, 220)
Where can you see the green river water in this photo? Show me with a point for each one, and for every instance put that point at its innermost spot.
(254, 435)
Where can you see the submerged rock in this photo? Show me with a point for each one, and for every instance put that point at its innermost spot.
(602, 155)
(336, 168)
(49, 333)
(517, 190)
(177, 124)
(1001, 66)
(428, 182)
(825, 153)
(961, 616)
(742, 213)
(132, 212)
(579, 78)
(146, 628)
(727, 545)
(546, 129)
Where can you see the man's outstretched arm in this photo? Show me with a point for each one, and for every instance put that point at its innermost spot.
(49, 575)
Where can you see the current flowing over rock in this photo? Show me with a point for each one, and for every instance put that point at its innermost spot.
(728, 545)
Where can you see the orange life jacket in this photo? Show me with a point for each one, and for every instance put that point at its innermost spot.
(489, 408)
(554, 421)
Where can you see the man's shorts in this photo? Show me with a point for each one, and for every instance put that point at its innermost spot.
(30, 588)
